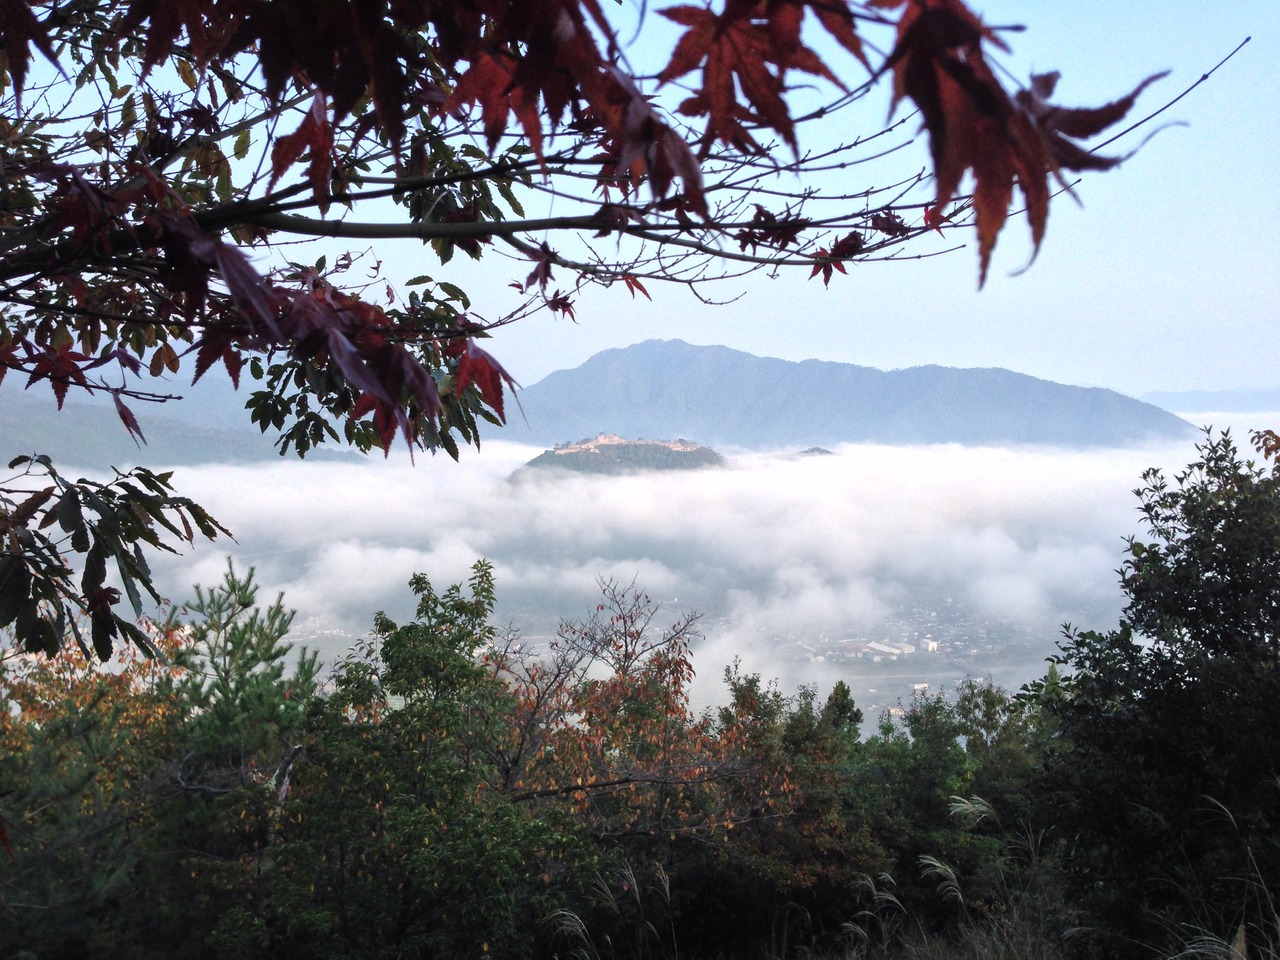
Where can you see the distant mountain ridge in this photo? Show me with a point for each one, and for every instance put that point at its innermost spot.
(88, 434)
(1203, 401)
(713, 395)
(720, 396)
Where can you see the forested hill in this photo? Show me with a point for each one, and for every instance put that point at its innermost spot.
(668, 388)
(612, 455)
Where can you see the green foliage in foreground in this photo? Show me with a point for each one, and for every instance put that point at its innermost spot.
(1167, 761)
(445, 793)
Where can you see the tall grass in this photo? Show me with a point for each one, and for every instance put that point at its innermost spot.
(1014, 906)
(622, 902)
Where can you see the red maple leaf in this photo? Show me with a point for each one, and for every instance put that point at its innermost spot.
(974, 125)
(8, 358)
(541, 272)
(388, 419)
(1056, 123)
(18, 28)
(62, 367)
(172, 20)
(100, 600)
(314, 135)
(633, 284)
(767, 228)
(745, 52)
(643, 143)
(888, 222)
(850, 245)
(127, 418)
(479, 367)
(218, 345)
(490, 83)
(733, 53)
(559, 302)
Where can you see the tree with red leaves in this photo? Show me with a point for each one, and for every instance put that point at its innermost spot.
(163, 158)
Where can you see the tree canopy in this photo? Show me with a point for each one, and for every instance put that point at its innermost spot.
(162, 160)
(1165, 749)
(446, 792)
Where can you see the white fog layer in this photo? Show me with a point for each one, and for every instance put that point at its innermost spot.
(792, 560)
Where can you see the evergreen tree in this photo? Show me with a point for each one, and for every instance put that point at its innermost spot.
(1163, 776)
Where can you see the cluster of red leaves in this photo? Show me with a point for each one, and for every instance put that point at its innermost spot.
(478, 366)
(547, 65)
(744, 53)
(829, 259)
(544, 259)
(975, 125)
(62, 366)
(314, 322)
(768, 228)
(323, 327)
(536, 61)
(19, 28)
(888, 222)
(315, 136)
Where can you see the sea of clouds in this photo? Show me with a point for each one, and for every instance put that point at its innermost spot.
(770, 546)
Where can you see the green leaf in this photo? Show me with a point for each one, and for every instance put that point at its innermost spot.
(450, 445)
(138, 637)
(129, 580)
(33, 632)
(456, 293)
(508, 195)
(208, 526)
(70, 517)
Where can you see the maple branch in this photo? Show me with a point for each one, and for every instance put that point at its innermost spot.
(307, 226)
(1203, 77)
(95, 386)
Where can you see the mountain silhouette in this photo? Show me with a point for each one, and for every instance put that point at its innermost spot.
(669, 388)
(656, 390)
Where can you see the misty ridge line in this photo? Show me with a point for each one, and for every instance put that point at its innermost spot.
(661, 390)
(657, 390)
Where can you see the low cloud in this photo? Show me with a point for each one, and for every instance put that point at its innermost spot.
(770, 546)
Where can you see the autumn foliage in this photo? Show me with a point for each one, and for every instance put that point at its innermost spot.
(447, 789)
(976, 127)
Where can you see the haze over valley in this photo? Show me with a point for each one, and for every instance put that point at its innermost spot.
(793, 561)
(887, 565)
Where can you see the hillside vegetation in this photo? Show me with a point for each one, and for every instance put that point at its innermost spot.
(448, 791)
(609, 454)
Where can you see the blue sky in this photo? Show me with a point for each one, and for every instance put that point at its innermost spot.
(1164, 278)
